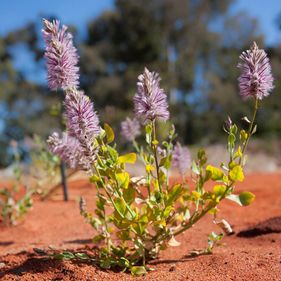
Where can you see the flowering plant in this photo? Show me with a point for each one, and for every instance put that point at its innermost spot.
(14, 206)
(43, 168)
(136, 217)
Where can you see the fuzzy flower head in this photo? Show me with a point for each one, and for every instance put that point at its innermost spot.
(181, 158)
(150, 101)
(130, 129)
(81, 120)
(67, 148)
(255, 79)
(61, 56)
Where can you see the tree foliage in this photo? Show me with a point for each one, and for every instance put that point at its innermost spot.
(192, 44)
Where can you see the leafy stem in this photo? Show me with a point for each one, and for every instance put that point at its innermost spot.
(154, 147)
(250, 130)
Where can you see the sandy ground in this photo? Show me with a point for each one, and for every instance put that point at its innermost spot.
(59, 224)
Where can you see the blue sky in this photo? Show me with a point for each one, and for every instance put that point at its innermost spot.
(266, 11)
(15, 13)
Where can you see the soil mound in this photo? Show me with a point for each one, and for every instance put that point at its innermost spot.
(272, 225)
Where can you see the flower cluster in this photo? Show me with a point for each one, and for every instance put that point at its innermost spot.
(150, 100)
(181, 158)
(67, 148)
(130, 129)
(82, 120)
(61, 56)
(82, 123)
(256, 79)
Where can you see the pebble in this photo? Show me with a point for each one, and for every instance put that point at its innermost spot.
(173, 267)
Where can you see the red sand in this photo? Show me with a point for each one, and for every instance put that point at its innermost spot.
(59, 224)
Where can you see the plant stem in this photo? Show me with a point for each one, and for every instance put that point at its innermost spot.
(249, 132)
(154, 147)
(136, 146)
(106, 191)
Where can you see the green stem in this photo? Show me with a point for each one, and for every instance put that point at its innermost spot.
(135, 144)
(249, 132)
(154, 148)
(126, 204)
(106, 191)
(117, 189)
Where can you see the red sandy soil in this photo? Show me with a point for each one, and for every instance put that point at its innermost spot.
(254, 254)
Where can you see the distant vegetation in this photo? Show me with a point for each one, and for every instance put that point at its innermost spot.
(192, 44)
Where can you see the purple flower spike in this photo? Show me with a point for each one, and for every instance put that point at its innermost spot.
(150, 101)
(130, 129)
(67, 148)
(181, 158)
(82, 120)
(255, 79)
(61, 56)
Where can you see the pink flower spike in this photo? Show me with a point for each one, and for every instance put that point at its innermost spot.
(181, 158)
(130, 129)
(255, 79)
(61, 56)
(150, 101)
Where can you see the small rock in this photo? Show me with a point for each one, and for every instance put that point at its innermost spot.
(173, 267)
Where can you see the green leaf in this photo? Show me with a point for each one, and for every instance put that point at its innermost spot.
(238, 153)
(155, 142)
(143, 219)
(162, 177)
(109, 133)
(246, 198)
(138, 270)
(98, 238)
(216, 173)
(166, 162)
(243, 199)
(236, 174)
(234, 129)
(174, 193)
(195, 168)
(113, 153)
(167, 211)
(202, 157)
(94, 179)
(231, 139)
(123, 262)
(213, 240)
(100, 203)
(106, 264)
(123, 180)
(149, 168)
(243, 136)
(120, 206)
(219, 190)
(64, 255)
(148, 131)
(82, 256)
(129, 195)
(128, 158)
(148, 128)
